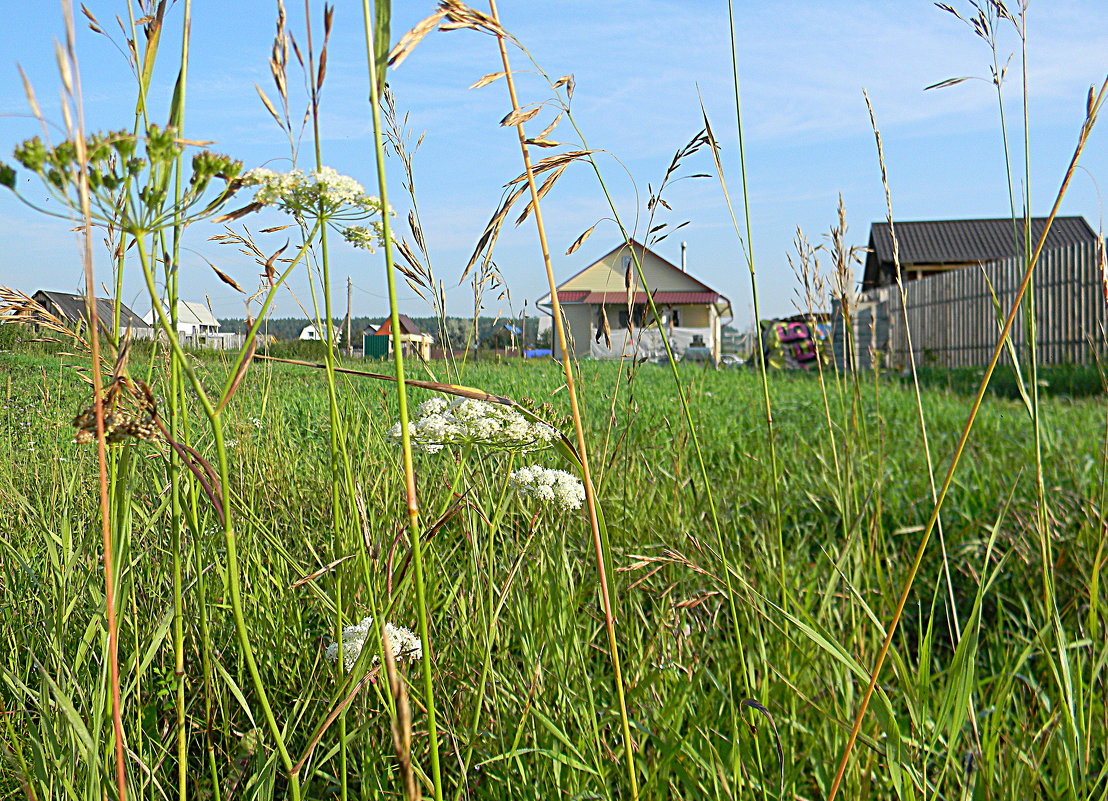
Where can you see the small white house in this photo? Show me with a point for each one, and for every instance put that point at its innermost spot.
(193, 319)
(198, 328)
(309, 333)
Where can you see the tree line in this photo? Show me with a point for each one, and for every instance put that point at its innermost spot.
(490, 331)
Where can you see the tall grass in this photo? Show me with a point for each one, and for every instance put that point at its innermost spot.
(713, 624)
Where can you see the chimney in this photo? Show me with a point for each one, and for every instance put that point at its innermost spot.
(684, 257)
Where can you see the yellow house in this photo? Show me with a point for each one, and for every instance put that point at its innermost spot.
(692, 313)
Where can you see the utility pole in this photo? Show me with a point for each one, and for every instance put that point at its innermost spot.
(349, 294)
(523, 333)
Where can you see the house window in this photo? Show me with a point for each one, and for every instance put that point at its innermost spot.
(639, 316)
(675, 317)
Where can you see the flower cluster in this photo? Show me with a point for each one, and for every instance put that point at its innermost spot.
(274, 188)
(403, 642)
(130, 412)
(322, 193)
(120, 161)
(113, 157)
(556, 487)
(466, 421)
(361, 237)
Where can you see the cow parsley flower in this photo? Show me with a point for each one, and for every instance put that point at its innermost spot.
(404, 643)
(361, 237)
(556, 487)
(467, 421)
(273, 187)
(324, 194)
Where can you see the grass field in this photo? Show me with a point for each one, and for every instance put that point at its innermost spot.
(226, 577)
(519, 659)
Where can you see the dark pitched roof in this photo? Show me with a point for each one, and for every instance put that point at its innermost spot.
(72, 308)
(962, 241)
(406, 326)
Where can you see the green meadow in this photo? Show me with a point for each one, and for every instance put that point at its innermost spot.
(226, 576)
(720, 707)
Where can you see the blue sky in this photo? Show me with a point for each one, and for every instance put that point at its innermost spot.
(638, 65)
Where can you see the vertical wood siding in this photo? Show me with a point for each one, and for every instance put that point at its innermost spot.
(955, 321)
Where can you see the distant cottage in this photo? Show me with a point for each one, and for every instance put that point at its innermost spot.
(413, 342)
(954, 272)
(72, 310)
(193, 319)
(198, 328)
(606, 322)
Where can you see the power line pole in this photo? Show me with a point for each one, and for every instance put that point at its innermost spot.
(349, 294)
(523, 333)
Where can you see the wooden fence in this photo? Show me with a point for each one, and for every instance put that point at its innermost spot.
(955, 322)
(211, 341)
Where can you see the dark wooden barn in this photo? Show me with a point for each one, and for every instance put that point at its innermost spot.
(72, 310)
(935, 246)
(955, 272)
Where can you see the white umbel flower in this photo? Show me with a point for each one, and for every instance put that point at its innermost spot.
(556, 487)
(405, 643)
(361, 237)
(325, 194)
(466, 421)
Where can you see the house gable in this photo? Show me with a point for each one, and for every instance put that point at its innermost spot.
(603, 281)
(597, 304)
(198, 312)
(609, 273)
(191, 317)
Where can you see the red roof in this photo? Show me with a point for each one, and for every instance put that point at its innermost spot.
(572, 295)
(406, 326)
(662, 297)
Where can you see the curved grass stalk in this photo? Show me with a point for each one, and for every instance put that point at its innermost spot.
(771, 435)
(1094, 104)
(176, 396)
(728, 572)
(1062, 670)
(340, 461)
(957, 632)
(72, 94)
(414, 529)
(599, 543)
(214, 416)
(684, 401)
(686, 410)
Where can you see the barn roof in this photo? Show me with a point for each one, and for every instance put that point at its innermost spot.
(963, 241)
(72, 308)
